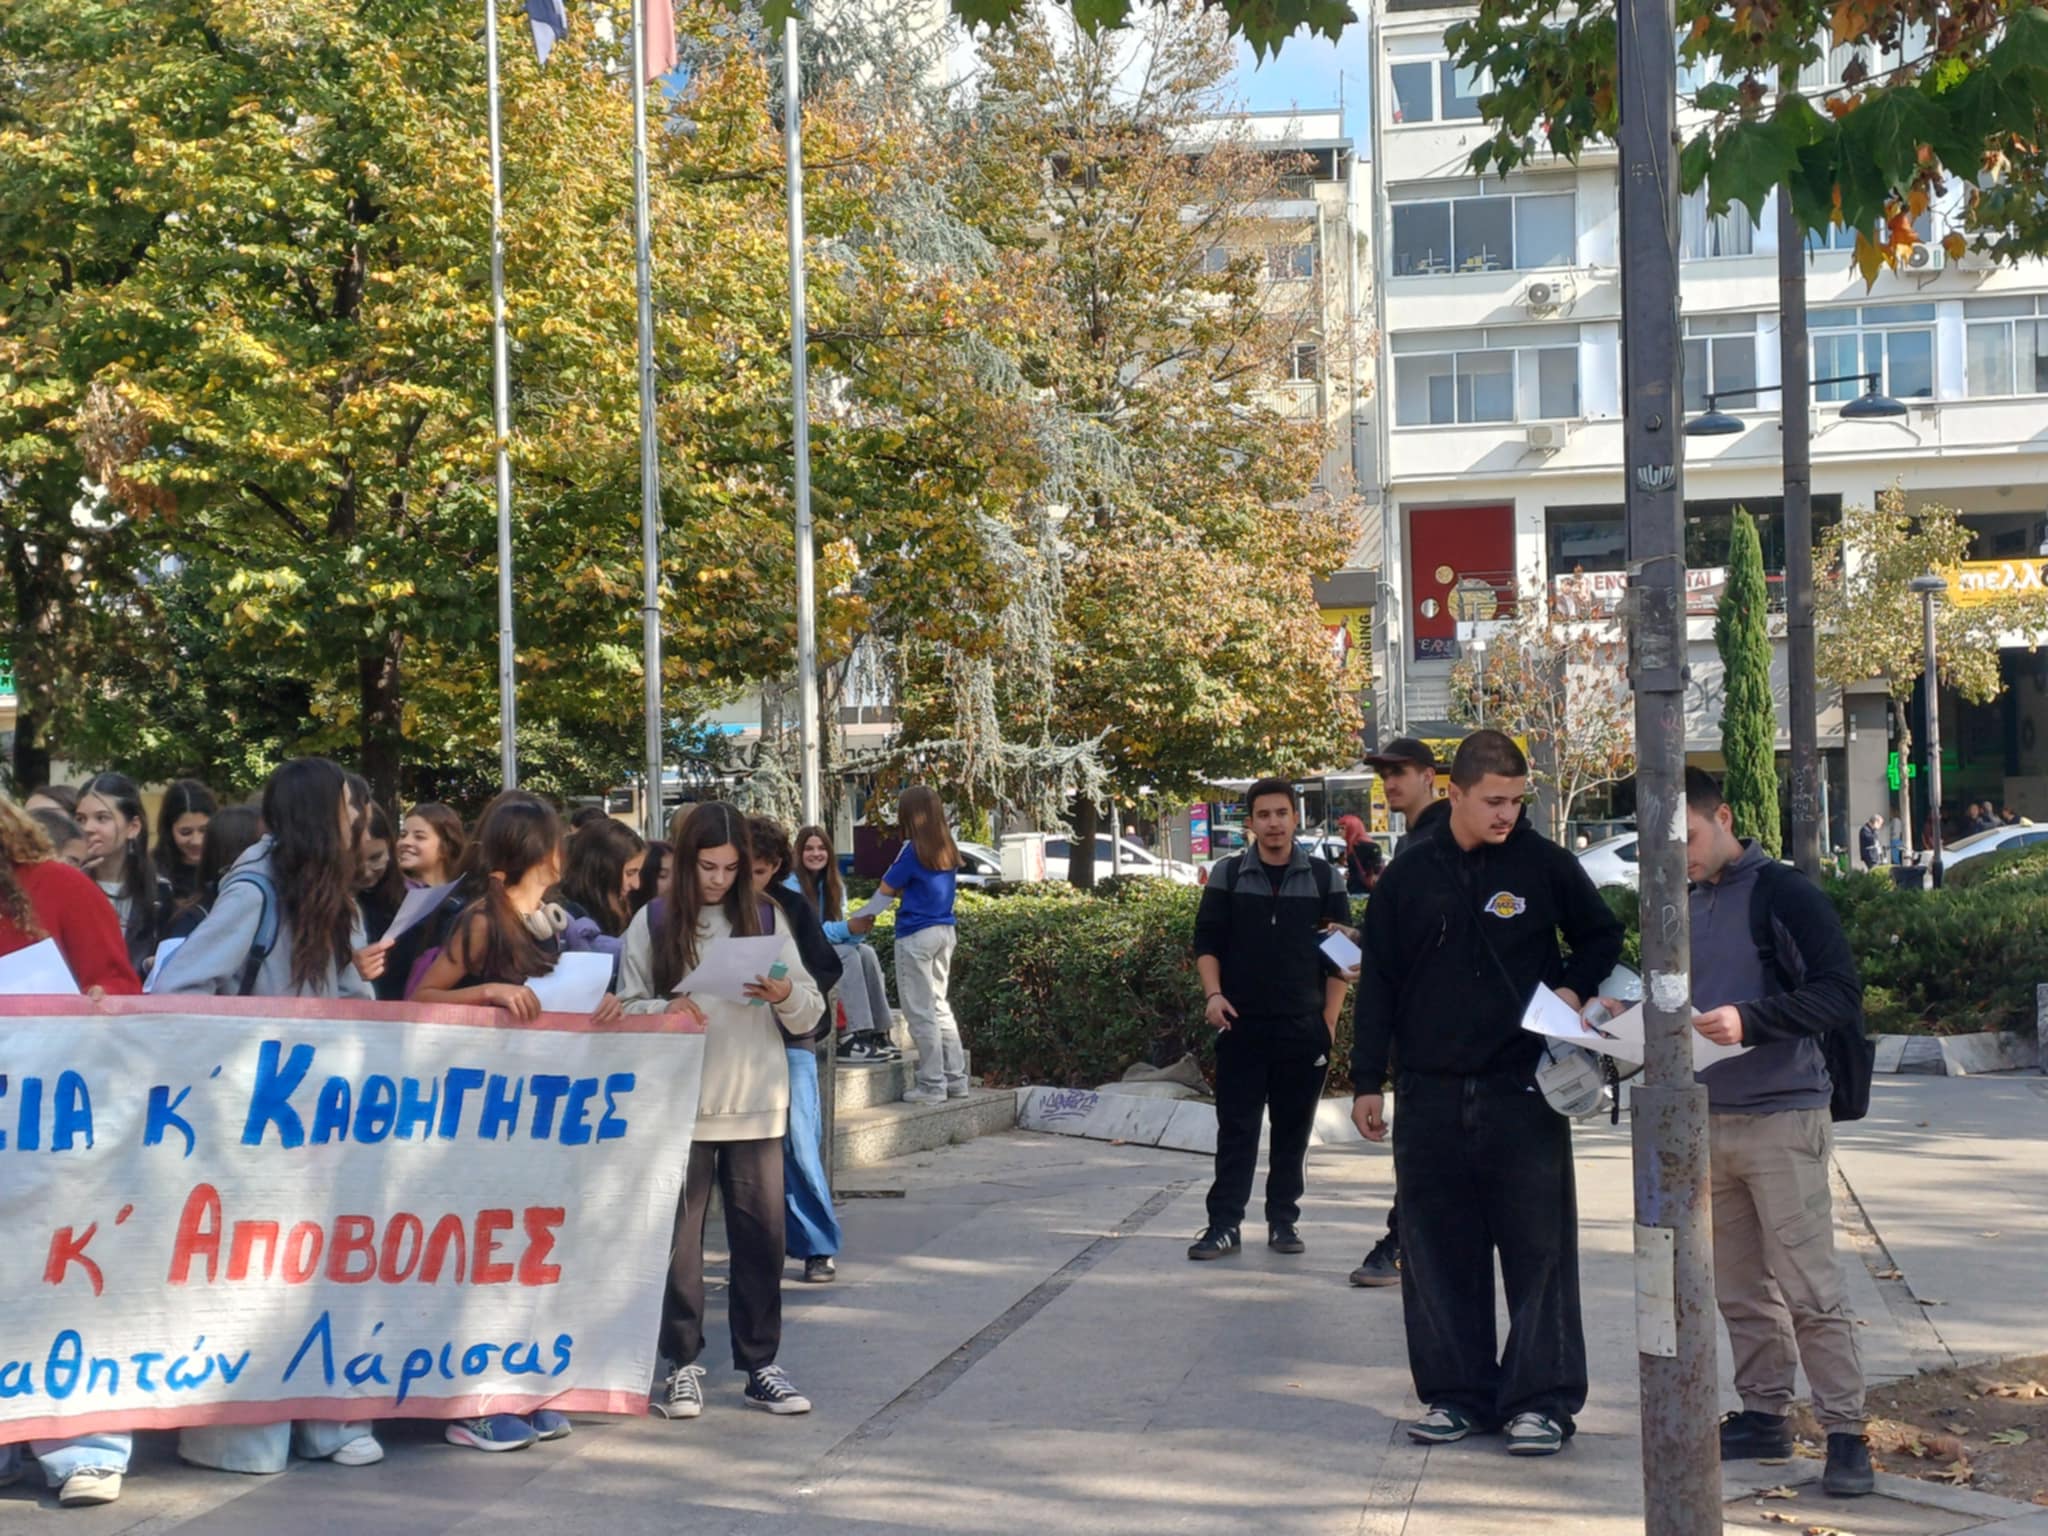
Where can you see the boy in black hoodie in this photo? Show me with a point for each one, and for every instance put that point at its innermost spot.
(1463, 927)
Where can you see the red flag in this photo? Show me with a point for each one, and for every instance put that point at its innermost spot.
(661, 37)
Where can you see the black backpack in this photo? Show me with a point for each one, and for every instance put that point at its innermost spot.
(1850, 1053)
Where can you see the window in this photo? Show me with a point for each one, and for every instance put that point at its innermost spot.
(1216, 260)
(1693, 73)
(1498, 374)
(1414, 93)
(1484, 232)
(1702, 235)
(1586, 539)
(2006, 346)
(1595, 538)
(1837, 238)
(1436, 91)
(1893, 341)
(1720, 358)
(1304, 362)
(1285, 261)
(1852, 63)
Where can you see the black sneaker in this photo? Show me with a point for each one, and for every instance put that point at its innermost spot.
(1282, 1238)
(680, 1394)
(768, 1388)
(1753, 1436)
(1381, 1267)
(1215, 1243)
(1848, 1471)
(860, 1051)
(820, 1271)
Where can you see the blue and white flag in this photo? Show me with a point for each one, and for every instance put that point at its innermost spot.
(550, 26)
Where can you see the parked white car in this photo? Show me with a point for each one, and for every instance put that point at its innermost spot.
(1611, 861)
(1997, 840)
(980, 866)
(1136, 861)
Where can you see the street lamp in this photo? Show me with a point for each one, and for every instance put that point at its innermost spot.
(1871, 405)
(1927, 586)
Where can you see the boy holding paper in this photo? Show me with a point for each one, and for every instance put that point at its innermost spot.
(1462, 929)
(1770, 1135)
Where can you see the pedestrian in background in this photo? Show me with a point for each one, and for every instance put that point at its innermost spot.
(923, 876)
(1870, 842)
(862, 995)
(1273, 998)
(1407, 772)
(1462, 930)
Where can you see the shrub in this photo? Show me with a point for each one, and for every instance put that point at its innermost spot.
(2013, 864)
(1059, 987)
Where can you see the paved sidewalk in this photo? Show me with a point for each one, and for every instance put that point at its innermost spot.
(1017, 1344)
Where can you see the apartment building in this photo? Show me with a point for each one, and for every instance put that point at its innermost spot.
(1500, 438)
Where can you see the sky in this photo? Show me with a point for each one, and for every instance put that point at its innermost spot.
(1305, 74)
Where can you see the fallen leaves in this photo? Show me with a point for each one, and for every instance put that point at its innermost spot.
(1780, 1492)
(2018, 1389)
(1778, 1517)
(2013, 1436)
(1891, 1274)
(1956, 1474)
(2041, 1497)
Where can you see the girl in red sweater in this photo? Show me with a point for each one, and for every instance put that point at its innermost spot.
(42, 897)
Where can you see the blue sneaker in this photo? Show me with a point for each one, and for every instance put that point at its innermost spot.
(550, 1425)
(495, 1432)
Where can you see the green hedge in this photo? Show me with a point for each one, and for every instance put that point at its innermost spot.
(1052, 985)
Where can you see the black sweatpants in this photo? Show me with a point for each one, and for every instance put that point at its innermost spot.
(1484, 1166)
(1276, 1071)
(749, 1175)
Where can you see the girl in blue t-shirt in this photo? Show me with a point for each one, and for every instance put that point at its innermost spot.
(923, 876)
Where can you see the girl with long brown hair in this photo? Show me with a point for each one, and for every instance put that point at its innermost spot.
(117, 844)
(430, 844)
(862, 995)
(181, 819)
(302, 871)
(743, 1104)
(923, 876)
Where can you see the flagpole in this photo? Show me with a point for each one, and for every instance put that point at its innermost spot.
(650, 462)
(800, 415)
(501, 419)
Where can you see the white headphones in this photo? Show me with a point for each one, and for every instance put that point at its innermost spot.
(547, 921)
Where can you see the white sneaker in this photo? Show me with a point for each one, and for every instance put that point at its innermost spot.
(90, 1485)
(363, 1451)
(924, 1096)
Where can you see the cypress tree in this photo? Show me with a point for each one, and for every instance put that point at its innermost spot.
(1749, 726)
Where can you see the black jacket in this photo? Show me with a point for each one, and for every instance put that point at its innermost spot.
(816, 952)
(1435, 815)
(1868, 846)
(1266, 943)
(1427, 985)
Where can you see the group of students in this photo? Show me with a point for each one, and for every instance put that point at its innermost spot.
(1475, 912)
(292, 897)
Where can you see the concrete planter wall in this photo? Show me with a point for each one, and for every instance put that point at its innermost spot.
(1958, 1055)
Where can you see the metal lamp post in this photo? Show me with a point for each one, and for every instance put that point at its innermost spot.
(1927, 586)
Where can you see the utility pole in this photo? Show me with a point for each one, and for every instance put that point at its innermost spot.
(650, 454)
(501, 422)
(1674, 1273)
(1794, 370)
(800, 418)
(1929, 587)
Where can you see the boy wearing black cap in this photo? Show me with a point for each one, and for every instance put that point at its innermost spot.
(1407, 771)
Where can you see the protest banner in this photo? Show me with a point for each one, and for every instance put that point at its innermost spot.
(240, 1210)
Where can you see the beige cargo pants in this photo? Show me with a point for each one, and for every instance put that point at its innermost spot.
(1775, 1272)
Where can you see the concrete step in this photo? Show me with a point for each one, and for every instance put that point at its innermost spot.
(863, 1137)
(868, 1086)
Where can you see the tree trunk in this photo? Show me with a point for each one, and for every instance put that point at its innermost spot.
(1081, 861)
(31, 762)
(383, 719)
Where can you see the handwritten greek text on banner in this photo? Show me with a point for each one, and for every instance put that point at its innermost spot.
(227, 1210)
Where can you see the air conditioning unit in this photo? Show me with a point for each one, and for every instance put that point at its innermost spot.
(1923, 257)
(1540, 295)
(1549, 436)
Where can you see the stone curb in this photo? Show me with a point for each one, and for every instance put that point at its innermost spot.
(1958, 1055)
